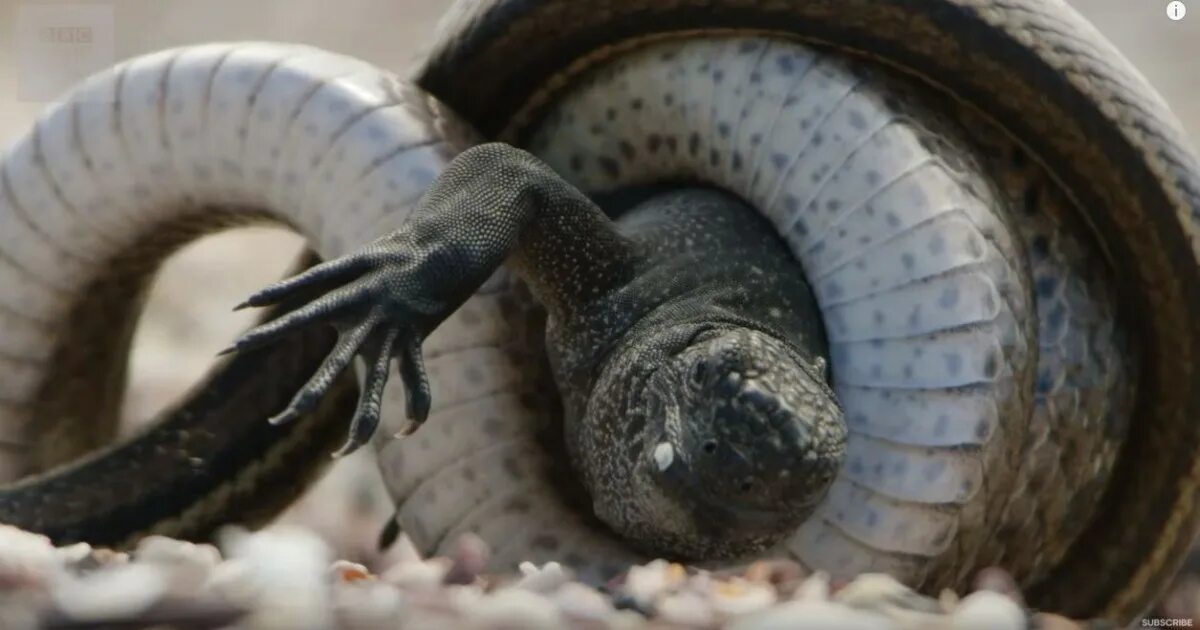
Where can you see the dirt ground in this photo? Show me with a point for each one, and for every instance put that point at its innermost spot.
(183, 328)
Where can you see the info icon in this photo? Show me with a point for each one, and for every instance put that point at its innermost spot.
(1176, 10)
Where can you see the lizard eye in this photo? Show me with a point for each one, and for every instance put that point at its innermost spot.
(710, 447)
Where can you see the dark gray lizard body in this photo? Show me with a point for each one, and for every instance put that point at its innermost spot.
(683, 338)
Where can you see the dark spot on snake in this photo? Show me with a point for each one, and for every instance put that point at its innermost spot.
(653, 142)
(857, 120)
(937, 244)
(469, 474)
(627, 150)
(473, 374)
(779, 161)
(834, 290)
(949, 298)
(1045, 286)
(737, 161)
(953, 363)
(694, 143)
(714, 157)
(991, 365)
(672, 144)
(723, 129)
(982, 428)
(576, 162)
(748, 46)
(513, 467)
(879, 318)
(610, 166)
(596, 129)
(833, 205)
(611, 114)
(786, 64)
(873, 177)
(636, 104)
(1039, 248)
(756, 77)
(718, 76)
(668, 99)
(791, 203)
(756, 139)
(801, 227)
(877, 371)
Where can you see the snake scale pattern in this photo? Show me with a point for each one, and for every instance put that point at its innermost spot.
(1002, 245)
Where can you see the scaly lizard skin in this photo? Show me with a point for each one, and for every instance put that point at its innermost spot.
(682, 336)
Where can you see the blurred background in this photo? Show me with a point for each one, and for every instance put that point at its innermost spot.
(183, 327)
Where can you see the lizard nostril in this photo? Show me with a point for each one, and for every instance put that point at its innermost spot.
(747, 485)
(710, 447)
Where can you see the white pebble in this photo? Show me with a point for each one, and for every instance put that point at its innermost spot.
(25, 558)
(125, 590)
(73, 554)
(686, 609)
(545, 579)
(288, 565)
(188, 565)
(738, 596)
(988, 610)
(582, 602)
(880, 591)
(815, 588)
(645, 583)
(423, 576)
(811, 615)
(366, 605)
(514, 608)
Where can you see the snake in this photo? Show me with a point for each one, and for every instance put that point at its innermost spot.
(995, 212)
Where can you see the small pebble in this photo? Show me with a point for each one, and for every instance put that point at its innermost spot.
(582, 602)
(117, 592)
(514, 609)
(346, 571)
(470, 558)
(544, 579)
(738, 596)
(999, 581)
(988, 610)
(686, 609)
(811, 615)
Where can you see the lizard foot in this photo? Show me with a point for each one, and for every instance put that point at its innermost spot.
(366, 297)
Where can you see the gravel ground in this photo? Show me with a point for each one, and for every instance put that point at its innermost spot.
(182, 330)
(286, 578)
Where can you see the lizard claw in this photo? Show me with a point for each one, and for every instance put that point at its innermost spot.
(363, 295)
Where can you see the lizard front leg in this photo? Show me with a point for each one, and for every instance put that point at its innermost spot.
(494, 203)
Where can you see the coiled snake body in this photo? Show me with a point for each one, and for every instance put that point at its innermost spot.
(994, 212)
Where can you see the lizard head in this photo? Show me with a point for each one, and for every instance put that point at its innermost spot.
(742, 439)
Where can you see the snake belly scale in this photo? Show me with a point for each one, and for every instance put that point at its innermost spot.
(982, 278)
